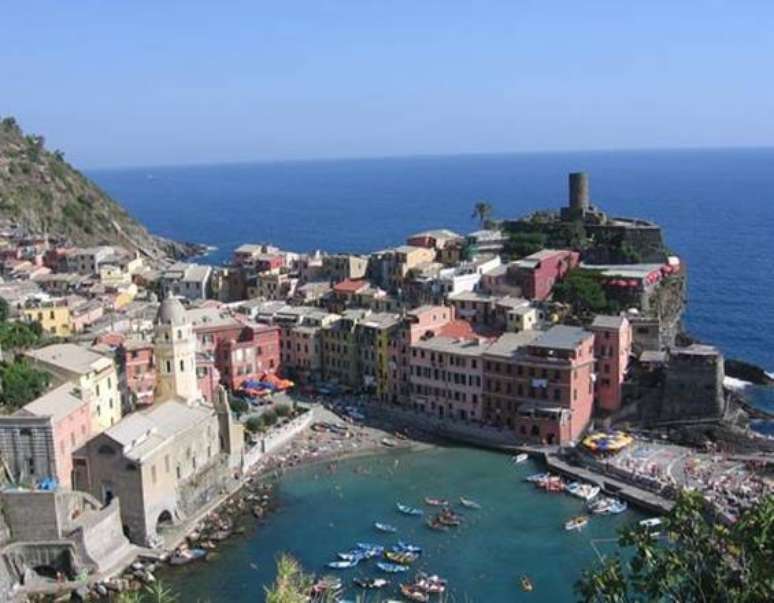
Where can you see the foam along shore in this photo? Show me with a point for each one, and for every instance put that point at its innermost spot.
(735, 384)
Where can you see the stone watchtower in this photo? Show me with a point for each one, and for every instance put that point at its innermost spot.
(175, 353)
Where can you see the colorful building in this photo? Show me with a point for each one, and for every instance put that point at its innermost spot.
(94, 376)
(536, 274)
(541, 385)
(38, 440)
(446, 376)
(612, 349)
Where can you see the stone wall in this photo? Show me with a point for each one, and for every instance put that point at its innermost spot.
(32, 516)
(276, 438)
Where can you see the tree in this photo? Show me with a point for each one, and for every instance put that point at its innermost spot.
(292, 584)
(21, 383)
(482, 211)
(239, 406)
(4, 310)
(703, 560)
(19, 335)
(581, 289)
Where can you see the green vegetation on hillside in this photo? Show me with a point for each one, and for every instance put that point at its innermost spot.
(703, 560)
(40, 191)
(21, 383)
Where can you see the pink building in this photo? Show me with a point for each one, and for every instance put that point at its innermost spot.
(542, 386)
(207, 376)
(447, 377)
(255, 352)
(239, 351)
(38, 440)
(536, 274)
(135, 357)
(419, 322)
(612, 348)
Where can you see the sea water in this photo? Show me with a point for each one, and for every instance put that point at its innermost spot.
(518, 531)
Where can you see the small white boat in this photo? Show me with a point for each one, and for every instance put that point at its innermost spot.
(184, 556)
(520, 458)
(576, 523)
(653, 522)
(343, 564)
(470, 504)
(537, 477)
(585, 491)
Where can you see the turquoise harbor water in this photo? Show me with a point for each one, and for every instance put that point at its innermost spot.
(519, 530)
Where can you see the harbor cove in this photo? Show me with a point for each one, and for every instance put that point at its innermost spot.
(322, 510)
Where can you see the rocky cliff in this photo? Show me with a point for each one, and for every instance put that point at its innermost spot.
(41, 192)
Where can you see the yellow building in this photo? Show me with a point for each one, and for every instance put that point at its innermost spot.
(54, 316)
(374, 335)
(94, 375)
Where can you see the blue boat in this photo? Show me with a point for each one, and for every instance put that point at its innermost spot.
(368, 546)
(353, 555)
(406, 510)
(392, 568)
(385, 527)
(404, 547)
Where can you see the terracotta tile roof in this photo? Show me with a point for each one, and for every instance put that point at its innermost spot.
(349, 285)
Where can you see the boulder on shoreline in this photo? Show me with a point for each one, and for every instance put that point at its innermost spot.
(746, 371)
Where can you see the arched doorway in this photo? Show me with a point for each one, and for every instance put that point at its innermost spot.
(535, 431)
(164, 520)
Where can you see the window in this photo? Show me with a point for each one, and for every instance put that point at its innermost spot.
(168, 365)
(182, 365)
(153, 473)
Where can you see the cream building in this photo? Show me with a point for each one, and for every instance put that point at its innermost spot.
(165, 463)
(94, 375)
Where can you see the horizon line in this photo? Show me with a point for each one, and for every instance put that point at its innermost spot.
(240, 162)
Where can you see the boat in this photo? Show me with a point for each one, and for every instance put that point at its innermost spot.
(436, 502)
(389, 443)
(581, 490)
(434, 524)
(470, 504)
(414, 593)
(326, 586)
(391, 568)
(343, 564)
(406, 510)
(401, 558)
(404, 547)
(652, 522)
(601, 505)
(352, 555)
(526, 584)
(550, 483)
(183, 556)
(378, 549)
(450, 520)
(520, 458)
(618, 506)
(576, 523)
(385, 527)
(431, 584)
(370, 583)
(537, 477)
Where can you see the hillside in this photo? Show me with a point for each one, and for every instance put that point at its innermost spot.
(41, 192)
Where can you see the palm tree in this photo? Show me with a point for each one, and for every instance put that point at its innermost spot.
(483, 211)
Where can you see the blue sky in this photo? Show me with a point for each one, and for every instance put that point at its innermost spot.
(144, 83)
